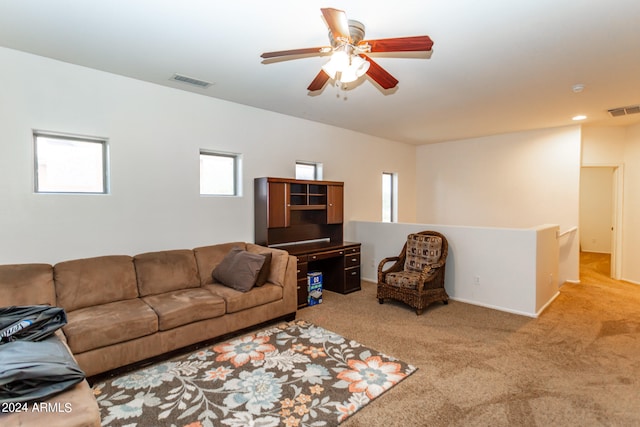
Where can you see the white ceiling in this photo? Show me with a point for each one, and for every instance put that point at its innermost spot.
(497, 65)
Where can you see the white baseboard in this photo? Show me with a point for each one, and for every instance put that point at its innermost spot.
(493, 307)
(544, 307)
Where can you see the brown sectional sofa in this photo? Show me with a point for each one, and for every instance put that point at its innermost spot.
(122, 309)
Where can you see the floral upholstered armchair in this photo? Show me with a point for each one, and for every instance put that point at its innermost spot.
(416, 276)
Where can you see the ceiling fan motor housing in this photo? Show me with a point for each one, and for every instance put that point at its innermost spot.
(356, 31)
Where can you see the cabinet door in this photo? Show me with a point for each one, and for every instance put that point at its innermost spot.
(335, 205)
(278, 201)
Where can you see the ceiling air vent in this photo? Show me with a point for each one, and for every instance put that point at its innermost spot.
(623, 111)
(190, 80)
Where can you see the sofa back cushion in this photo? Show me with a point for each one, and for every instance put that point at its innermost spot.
(279, 260)
(88, 282)
(208, 258)
(164, 271)
(26, 284)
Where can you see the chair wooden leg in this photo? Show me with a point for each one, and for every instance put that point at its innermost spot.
(418, 311)
(381, 300)
(445, 302)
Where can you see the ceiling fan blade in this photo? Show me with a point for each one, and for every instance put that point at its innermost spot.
(401, 44)
(337, 23)
(304, 51)
(380, 75)
(319, 82)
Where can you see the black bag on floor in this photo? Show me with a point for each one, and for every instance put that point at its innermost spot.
(36, 370)
(30, 323)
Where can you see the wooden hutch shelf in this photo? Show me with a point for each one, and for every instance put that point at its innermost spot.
(290, 213)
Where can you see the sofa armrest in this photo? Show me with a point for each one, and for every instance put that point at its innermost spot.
(290, 286)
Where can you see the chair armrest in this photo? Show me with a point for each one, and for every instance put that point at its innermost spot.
(397, 266)
(385, 261)
(428, 273)
(430, 270)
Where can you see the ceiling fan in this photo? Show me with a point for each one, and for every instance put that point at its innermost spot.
(349, 59)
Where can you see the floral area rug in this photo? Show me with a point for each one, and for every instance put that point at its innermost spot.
(293, 374)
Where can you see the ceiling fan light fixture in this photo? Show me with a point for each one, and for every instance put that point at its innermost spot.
(339, 61)
(361, 66)
(348, 76)
(355, 70)
(345, 67)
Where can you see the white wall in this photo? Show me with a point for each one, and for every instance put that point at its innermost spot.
(620, 146)
(514, 180)
(517, 269)
(631, 225)
(596, 208)
(155, 134)
(547, 265)
(603, 145)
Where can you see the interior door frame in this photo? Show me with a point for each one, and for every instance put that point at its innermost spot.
(617, 208)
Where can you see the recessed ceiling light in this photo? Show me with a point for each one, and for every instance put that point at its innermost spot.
(579, 117)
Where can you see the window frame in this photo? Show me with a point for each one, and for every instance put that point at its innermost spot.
(393, 195)
(317, 169)
(237, 172)
(104, 164)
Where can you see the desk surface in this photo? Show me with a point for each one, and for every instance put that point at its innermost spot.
(306, 248)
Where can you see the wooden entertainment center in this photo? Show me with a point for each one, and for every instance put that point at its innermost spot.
(305, 218)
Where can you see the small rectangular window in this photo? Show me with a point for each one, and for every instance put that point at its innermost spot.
(70, 164)
(309, 170)
(389, 197)
(219, 174)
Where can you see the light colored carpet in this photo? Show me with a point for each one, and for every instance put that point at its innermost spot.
(578, 364)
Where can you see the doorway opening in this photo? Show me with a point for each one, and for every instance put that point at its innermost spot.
(601, 216)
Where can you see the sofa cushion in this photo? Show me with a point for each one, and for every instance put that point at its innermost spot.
(279, 262)
(185, 306)
(78, 407)
(208, 258)
(26, 284)
(238, 301)
(106, 324)
(239, 269)
(165, 271)
(93, 281)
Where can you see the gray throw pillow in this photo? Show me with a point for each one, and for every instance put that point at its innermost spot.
(239, 269)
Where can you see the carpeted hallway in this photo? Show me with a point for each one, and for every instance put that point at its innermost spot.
(578, 364)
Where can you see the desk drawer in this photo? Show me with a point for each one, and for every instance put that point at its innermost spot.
(352, 260)
(302, 270)
(351, 279)
(324, 255)
(303, 292)
(352, 250)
